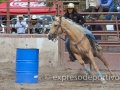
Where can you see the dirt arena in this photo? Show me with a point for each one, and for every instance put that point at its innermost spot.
(7, 80)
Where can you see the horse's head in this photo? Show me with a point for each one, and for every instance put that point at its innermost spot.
(55, 29)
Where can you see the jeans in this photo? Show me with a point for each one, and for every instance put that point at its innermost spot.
(88, 32)
(67, 42)
(113, 9)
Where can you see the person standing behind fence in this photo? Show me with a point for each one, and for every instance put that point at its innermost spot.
(92, 6)
(21, 25)
(105, 5)
(0, 19)
(114, 9)
(35, 26)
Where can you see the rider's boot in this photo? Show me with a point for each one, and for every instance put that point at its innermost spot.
(98, 46)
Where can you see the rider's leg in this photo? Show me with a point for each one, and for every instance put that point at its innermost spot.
(93, 38)
(91, 35)
(67, 43)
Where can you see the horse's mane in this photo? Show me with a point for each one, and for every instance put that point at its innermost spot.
(77, 26)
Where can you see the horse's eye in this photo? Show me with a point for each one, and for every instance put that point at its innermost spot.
(55, 25)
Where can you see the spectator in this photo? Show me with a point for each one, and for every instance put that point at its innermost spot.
(0, 19)
(4, 19)
(2, 29)
(21, 25)
(92, 6)
(105, 5)
(35, 26)
(13, 29)
(114, 9)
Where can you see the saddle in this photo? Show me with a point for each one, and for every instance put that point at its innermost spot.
(86, 59)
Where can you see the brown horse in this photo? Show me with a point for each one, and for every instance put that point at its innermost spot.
(79, 43)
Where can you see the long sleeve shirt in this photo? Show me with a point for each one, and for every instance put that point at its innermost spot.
(78, 18)
(106, 3)
(21, 27)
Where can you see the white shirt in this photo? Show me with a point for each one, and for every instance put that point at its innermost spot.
(21, 27)
(3, 29)
(91, 3)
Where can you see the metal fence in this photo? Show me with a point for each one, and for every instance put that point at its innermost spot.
(11, 8)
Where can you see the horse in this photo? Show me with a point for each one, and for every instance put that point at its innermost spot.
(79, 44)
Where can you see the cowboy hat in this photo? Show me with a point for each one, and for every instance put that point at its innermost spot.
(34, 17)
(70, 5)
(20, 16)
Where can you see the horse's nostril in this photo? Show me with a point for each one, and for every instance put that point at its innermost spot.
(49, 36)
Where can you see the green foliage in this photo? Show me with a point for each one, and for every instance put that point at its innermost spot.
(2, 1)
(49, 4)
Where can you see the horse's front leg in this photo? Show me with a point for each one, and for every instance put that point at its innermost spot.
(79, 58)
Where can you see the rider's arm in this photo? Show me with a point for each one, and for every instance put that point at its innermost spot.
(81, 19)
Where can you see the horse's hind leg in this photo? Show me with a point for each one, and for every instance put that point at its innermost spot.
(91, 57)
(102, 58)
(78, 57)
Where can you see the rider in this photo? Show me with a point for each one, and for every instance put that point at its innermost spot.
(71, 13)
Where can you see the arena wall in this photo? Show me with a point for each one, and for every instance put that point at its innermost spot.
(48, 50)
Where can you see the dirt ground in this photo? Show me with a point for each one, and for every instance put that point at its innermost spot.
(47, 82)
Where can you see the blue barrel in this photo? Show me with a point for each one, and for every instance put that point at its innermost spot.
(27, 65)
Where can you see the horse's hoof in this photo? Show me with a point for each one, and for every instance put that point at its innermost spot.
(112, 74)
(103, 80)
(90, 74)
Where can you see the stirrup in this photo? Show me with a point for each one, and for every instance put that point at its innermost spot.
(98, 46)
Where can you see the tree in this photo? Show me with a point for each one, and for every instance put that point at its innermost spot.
(2, 1)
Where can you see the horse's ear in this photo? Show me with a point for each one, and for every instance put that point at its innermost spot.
(56, 18)
(60, 17)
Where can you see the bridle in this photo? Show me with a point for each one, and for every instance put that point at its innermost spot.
(75, 45)
(54, 34)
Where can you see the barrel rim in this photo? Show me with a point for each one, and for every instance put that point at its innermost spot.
(28, 48)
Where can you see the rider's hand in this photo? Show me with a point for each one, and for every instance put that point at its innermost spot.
(97, 6)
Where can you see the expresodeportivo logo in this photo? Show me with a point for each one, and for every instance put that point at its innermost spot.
(79, 77)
